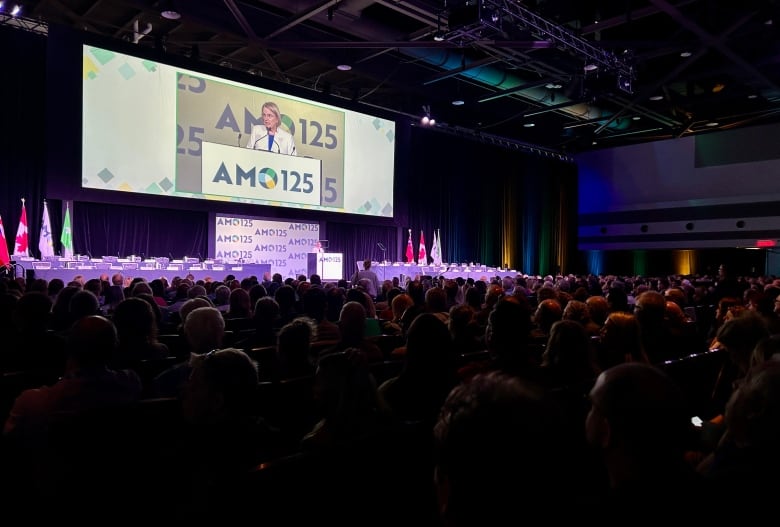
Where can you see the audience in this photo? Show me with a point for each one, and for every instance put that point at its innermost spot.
(623, 453)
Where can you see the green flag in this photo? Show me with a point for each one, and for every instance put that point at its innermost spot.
(67, 236)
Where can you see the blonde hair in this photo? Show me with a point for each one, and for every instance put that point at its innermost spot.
(275, 109)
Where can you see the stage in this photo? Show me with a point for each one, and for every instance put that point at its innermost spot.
(150, 269)
(402, 270)
(88, 268)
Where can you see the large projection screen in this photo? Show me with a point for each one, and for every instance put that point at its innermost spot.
(145, 124)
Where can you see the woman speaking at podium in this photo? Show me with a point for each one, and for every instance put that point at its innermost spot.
(268, 136)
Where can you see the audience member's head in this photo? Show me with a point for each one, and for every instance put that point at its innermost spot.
(498, 452)
(91, 342)
(221, 388)
(204, 329)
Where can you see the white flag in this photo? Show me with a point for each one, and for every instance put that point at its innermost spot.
(45, 242)
(436, 249)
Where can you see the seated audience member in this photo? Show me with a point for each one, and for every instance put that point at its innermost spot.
(578, 311)
(285, 297)
(428, 374)
(500, 455)
(345, 395)
(225, 436)
(222, 298)
(620, 341)
(598, 307)
(352, 326)
(266, 325)
(398, 306)
(88, 383)
(739, 337)
(358, 295)
(158, 292)
(83, 304)
(314, 306)
(293, 349)
(568, 359)
(204, 330)
(28, 345)
(743, 468)
(507, 338)
(640, 423)
(136, 328)
(239, 305)
(464, 331)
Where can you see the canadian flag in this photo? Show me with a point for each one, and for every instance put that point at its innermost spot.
(410, 249)
(422, 255)
(5, 258)
(21, 248)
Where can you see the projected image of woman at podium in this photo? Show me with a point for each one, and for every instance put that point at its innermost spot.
(268, 136)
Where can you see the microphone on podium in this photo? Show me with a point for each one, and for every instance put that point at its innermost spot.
(379, 244)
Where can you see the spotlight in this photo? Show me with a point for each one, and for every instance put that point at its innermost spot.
(427, 119)
(16, 10)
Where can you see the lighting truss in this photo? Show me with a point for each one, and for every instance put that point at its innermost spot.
(561, 36)
(27, 24)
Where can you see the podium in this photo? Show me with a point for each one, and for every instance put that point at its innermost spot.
(330, 266)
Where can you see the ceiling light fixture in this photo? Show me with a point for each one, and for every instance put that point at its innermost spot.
(686, 54)
(656, 97)
(458, 102)
(169, 11)
(343, 67)
(590, 67)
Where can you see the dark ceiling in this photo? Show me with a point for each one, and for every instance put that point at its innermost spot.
(664, 68)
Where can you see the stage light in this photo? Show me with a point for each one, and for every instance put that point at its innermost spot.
(439, 35)
(624, 82)
(16, 10)
(427, 119)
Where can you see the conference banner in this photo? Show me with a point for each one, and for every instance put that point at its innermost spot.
(282, 244)
(230, 171)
